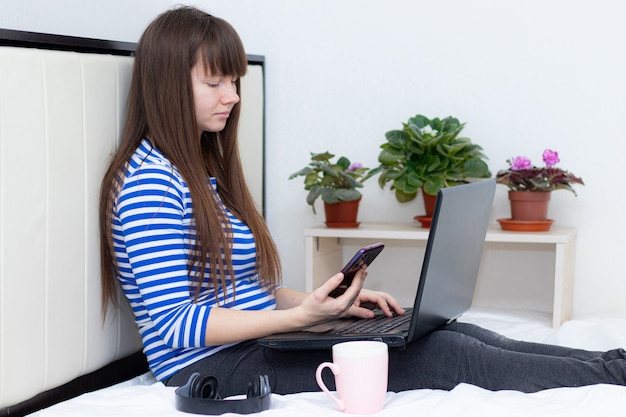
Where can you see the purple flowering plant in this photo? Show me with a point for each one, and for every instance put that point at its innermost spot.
(332, 181)
(522, 175)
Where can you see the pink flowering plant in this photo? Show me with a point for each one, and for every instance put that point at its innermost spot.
(333, 181)
(523, 176)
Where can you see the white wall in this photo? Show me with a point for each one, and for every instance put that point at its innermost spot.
(524, 75)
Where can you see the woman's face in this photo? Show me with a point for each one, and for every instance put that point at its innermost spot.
(214, 96)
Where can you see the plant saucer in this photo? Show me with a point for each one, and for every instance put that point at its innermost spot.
(339, 225)
(525, 226)
(425, 221)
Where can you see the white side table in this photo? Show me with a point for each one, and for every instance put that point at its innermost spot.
(324, 257)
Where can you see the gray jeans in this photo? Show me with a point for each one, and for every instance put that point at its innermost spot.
(459, 352)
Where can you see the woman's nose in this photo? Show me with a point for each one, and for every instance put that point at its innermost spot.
(230, 94)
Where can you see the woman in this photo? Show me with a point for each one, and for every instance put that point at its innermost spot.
(182, 236)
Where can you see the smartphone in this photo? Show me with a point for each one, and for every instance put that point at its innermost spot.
(361, 259)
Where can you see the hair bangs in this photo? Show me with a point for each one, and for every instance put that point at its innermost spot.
(222, 51)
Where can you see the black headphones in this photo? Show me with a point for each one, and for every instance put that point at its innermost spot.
(200, 396)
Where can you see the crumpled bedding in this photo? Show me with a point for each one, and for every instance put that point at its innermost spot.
(144, 396)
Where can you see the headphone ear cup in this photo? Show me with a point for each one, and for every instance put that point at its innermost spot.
(265, 387)
(204, 387)
(259, 386)
(254, 387)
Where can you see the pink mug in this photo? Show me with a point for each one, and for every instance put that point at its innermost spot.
(361, 369)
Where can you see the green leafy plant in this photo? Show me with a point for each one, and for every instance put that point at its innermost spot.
(523, 176)
(333, 181)
(428, 154)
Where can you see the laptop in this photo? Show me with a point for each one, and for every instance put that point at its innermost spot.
(446, 282)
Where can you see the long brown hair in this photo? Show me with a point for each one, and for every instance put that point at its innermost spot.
(161, 107)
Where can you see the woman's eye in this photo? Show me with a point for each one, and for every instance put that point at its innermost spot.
(215, 84)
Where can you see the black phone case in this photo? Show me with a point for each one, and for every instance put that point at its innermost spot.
(363, 258)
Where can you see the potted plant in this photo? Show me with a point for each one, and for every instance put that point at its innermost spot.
(530, 188)
(336, 183)
(428, 154)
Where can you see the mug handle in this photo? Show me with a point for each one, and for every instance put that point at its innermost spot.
(318, 376)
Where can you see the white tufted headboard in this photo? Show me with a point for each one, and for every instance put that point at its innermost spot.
(61, 114)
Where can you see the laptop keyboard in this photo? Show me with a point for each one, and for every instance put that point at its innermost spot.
(379, 324)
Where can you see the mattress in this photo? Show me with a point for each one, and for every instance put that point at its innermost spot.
(144, 396)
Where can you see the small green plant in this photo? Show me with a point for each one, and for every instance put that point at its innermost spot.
(428, 154)
(333, 181)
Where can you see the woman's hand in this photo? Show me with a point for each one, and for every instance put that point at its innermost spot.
(319, 306)
(356, 301)
(380, 299)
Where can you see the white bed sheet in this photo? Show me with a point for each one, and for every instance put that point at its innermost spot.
(144, 396)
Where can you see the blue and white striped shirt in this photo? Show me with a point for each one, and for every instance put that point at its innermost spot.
(153, 231)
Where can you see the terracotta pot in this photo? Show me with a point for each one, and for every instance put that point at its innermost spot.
(429, 206)
(529, 206)
(429, 203)
(342, 214)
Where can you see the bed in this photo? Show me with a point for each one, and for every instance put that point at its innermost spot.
(144, 396)
(61, 113)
